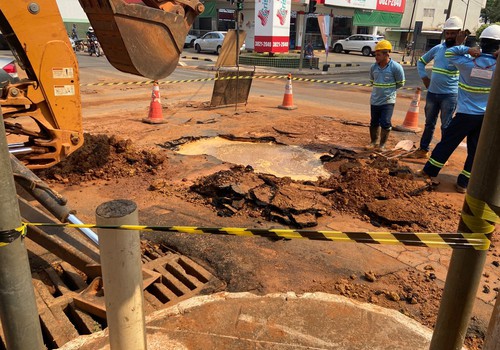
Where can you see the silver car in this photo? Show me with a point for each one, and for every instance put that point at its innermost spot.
(360, 42)
(8, 70)
(212, 41)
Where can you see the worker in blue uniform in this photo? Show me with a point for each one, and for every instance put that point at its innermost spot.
(477, 67)
(442, 86)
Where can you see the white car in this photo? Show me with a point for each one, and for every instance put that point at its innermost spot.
(360, 42)
(190, 39)
(212, 41)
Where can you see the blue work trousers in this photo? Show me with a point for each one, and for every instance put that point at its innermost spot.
(381, 116)
(435, 104)
(463, 125)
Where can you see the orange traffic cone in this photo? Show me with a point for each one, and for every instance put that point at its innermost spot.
(155, 115)
(411, 120)
(288, 97)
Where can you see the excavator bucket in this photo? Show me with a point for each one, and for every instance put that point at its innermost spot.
(145, 37)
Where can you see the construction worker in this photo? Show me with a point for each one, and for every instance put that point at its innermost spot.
(477, 68)
(442, 86)
(386, 76)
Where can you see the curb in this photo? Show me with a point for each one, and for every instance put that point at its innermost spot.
(198, 58)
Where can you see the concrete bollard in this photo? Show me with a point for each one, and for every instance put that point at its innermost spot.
(122, 275)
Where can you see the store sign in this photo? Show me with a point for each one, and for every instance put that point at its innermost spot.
(272, 25)
(391, 6)
(379, 5)
(362, 4)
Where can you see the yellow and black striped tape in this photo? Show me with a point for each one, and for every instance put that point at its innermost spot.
(9, 236)
(477, 241)
(167, 82)
(478, 216)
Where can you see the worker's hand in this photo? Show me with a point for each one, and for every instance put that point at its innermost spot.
(426, 81)
(496, 53)
(462, 35)
(475, 51)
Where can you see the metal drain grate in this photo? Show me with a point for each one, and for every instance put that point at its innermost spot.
(69, 306)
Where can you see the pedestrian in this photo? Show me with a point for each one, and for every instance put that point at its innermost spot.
(442, 86)
(74, 34)
(386, 76)
(309, 54)
(477, 68)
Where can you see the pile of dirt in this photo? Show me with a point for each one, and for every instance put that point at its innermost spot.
(379, 191)
(104, 157)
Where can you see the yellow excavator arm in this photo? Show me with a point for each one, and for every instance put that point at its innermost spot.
(138, 37)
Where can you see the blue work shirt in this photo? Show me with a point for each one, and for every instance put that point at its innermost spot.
(444, 78)
(476, 77)
(385, 82)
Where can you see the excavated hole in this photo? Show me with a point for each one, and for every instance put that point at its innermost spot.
(267, 158)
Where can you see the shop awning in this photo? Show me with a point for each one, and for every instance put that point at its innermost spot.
(210, 9)
(377, 18)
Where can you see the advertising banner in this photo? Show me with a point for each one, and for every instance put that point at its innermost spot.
(324, 28)
(362, 4)
(391, 6)
(272, 25)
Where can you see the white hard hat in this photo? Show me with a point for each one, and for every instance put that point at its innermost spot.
(453, 23)
(91, 29)
(491, 32)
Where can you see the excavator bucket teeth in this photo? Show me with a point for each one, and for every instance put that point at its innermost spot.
(138, 39)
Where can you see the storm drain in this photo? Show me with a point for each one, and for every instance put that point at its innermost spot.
(69, 306)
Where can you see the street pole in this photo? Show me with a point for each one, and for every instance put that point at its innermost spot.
(448, 12)
(18, 312)
(301, 60)
(466, 10)
(480, 212)
(409, 28)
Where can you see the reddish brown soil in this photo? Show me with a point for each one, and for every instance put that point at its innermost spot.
(201, 191)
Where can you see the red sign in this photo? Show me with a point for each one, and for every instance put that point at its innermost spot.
(391, 5)
(271, 43)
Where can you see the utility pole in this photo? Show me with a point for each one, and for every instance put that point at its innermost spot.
(303, 43)
(448, 12)
(480, 210)
(409, 28)
(18, 312)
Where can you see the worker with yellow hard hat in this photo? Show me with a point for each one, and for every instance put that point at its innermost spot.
(386, 76)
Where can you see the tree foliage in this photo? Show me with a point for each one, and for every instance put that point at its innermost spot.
(491, 13)
(483, 27)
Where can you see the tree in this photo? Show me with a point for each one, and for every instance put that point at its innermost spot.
(483, 27)
(491, 13)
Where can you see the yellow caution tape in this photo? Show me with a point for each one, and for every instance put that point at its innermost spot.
(478, 241)
(7, 237)
(478, 216)
(166, 82)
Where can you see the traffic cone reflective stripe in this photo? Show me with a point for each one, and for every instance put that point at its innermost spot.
(155, 115)
(288, 97)
(411, 120)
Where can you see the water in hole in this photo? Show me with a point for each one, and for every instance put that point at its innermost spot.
(279, 160)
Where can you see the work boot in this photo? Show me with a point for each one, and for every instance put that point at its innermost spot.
(419, 154)
(374, 133)
(383, 138)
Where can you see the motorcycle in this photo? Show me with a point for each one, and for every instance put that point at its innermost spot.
(94, 47)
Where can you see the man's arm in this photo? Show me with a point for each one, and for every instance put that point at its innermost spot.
(399, 76)
(458, 55)
(422, 62)
(372, 78)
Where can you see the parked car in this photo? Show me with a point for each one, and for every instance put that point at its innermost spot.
(212, 41)
(360, 42)
(8, 69)
(189, 42)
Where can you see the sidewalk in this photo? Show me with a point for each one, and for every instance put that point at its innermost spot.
(276, 321)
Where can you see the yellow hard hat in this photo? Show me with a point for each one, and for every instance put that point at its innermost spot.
(383, 45)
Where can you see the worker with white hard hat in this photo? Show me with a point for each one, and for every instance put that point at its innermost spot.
(442, 86)
(477, 68)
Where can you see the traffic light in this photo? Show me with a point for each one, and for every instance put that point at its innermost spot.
(312, 6)
(239, 5)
